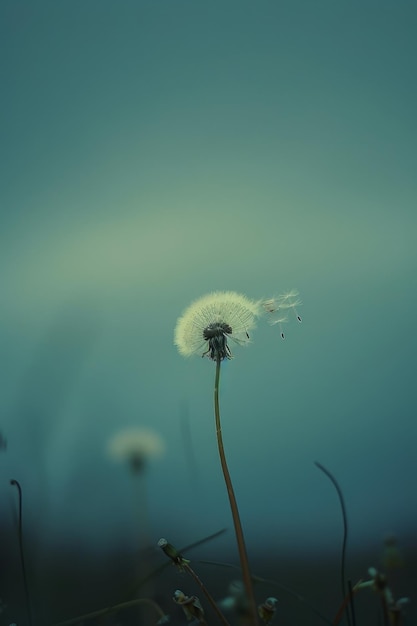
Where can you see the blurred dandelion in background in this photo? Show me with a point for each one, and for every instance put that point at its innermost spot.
(136, 447)
(237, 600)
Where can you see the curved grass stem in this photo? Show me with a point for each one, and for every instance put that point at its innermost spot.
(345, 536)
(244, 563)
(15, 483)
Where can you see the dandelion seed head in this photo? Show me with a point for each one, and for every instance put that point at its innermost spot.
(208, 323)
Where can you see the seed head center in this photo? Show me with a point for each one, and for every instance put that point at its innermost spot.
(216, 329)
(216, 334)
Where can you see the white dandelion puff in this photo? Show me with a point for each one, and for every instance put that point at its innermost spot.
(208, 323)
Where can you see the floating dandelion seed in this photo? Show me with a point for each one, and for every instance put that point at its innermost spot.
(207, 325)
(278, 308)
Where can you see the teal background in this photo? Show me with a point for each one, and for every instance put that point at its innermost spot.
(152, 152)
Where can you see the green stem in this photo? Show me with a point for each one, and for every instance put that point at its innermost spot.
(244, 563)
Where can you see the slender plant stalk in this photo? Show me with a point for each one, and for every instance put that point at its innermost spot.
(247, 580)
(15, 483)
(208, 595)
(352, 605)
(345, 536)
(385, 615)
(144, 542)
(348, 599)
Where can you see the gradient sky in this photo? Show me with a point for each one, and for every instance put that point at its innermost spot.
(154, 151)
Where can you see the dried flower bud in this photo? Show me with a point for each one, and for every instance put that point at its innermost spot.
(267, 609)
(191, 606)
(173, 554)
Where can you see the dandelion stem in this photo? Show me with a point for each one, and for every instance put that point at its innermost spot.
(247, 579)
